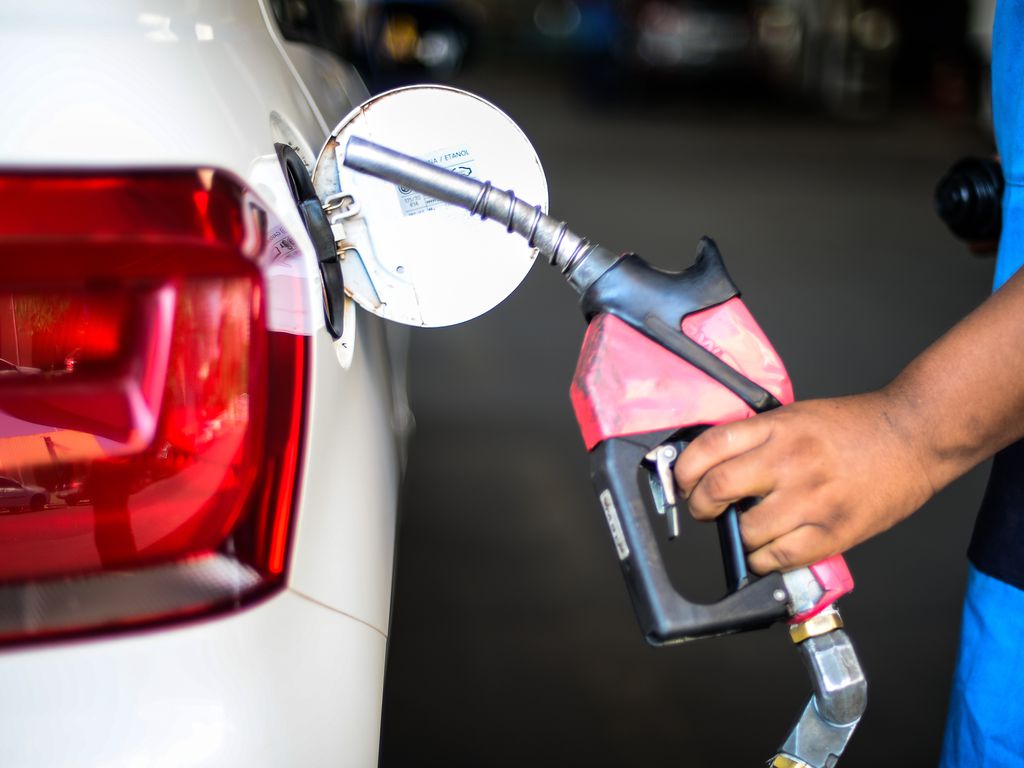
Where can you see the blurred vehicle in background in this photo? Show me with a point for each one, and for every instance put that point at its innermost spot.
(641, 38)
(402, 41)
(75, 492)
(575, 26)
(690, 35)
(15, 495)
(839, 53)
(7, 367)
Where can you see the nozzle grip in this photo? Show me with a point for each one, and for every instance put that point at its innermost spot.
(734, 558)
(654, 303)
(665, 615)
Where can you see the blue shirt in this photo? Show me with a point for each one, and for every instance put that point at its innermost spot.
(1007, 113)
(997, 546)
(985, 725)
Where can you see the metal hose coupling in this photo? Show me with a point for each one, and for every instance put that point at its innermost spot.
(581, 261)
(840, 694)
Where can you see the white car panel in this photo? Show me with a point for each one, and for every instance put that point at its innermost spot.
(297, 679)
(130, 83)
(345, 558)
(203, 694)
(334, 87)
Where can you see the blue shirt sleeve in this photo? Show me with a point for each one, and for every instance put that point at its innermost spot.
(1007, 113)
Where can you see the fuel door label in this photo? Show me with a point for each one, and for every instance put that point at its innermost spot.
(458, 160)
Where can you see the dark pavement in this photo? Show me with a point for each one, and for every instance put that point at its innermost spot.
(513, 640)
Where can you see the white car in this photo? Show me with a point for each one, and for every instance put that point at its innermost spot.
(15, 495)
(211, 583)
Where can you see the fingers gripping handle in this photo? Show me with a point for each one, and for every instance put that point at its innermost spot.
(664, 614)
(830, 717)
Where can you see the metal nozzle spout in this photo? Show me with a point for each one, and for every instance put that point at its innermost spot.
(580, 260)
(840, 696)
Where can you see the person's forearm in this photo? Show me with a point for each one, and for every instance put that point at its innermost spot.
(962, 399)
(832, 473)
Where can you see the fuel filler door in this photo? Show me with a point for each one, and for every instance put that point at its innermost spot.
(408, 257)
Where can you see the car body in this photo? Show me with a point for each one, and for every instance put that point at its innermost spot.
(15, 495)
(200, 100)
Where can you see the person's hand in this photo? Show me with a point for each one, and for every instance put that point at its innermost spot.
(830, 473)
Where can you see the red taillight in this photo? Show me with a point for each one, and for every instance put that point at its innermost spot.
(150, 423)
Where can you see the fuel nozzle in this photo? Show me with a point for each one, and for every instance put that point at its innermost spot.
(581, 261)
(628, 427)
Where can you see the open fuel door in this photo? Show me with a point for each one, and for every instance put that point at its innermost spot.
(408, 257)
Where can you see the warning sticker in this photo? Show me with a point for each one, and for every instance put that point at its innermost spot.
(612, 514)
(458, 160)
(280, 246)
(289, 308)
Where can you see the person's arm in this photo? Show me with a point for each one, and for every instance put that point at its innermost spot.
(835, 472)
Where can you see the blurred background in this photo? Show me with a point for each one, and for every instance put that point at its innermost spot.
(807, 137)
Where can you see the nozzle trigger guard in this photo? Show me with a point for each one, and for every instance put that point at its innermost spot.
(665, 615)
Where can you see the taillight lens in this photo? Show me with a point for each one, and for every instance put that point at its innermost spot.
(150, 423)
